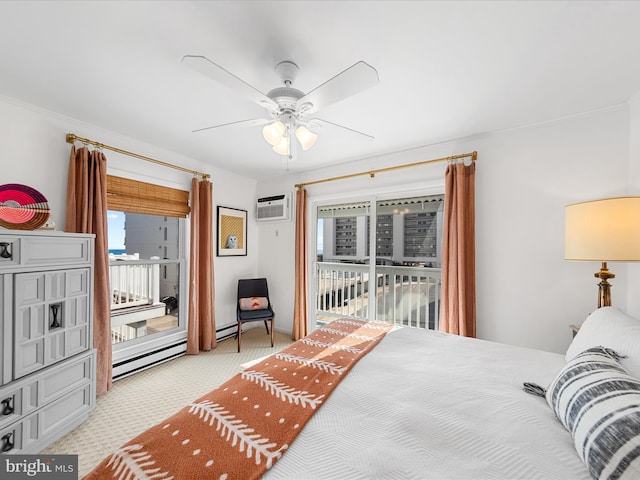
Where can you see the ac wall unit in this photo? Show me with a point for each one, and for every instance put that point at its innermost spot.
(272, 208)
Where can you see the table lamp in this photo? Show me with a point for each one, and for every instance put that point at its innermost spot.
(606, 230)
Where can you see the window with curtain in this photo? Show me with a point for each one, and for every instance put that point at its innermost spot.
(146, 224)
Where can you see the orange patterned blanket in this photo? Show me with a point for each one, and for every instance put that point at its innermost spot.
(240, 429)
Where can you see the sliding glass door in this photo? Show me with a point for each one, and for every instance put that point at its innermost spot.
(342, 268)
(408, 245)
(379, 259)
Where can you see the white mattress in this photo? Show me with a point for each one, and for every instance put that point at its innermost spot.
(425, 405)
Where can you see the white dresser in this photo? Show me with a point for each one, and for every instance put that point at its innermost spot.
(47, 363)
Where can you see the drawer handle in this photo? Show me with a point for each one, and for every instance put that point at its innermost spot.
(7, 444)
(4, 250)
(7, 408)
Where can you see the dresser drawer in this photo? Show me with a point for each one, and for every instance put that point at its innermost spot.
(61, 379)
(32, 250)
(39, 389)
(54, 251)
(33, 432)
(66, 410)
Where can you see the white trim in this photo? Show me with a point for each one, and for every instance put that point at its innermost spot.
(381, 193)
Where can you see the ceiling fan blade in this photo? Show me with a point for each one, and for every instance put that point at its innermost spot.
(254, 122)
(225, 77)
(355, 79)
(320, 121)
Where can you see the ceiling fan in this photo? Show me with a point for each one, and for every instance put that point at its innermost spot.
(287, 108)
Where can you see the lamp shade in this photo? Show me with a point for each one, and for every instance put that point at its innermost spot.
(306, 137)
(605, 230)
(273, 132)
(282, 147)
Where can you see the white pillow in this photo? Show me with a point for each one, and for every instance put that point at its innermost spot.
(614, 329)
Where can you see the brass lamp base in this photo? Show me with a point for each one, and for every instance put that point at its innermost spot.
(604, 287)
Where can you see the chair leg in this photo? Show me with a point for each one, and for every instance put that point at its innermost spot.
(271, 332)
(239, 335)
(265, 326)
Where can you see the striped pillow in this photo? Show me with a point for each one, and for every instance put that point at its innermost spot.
(599, 403)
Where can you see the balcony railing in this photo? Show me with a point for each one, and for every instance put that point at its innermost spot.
(142, 303)
(407, 296)
(134, 283)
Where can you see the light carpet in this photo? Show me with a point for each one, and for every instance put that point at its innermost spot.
(140, 401)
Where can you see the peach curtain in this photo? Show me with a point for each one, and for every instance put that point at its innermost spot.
(458, 310)
(300, 300)
(86, 212)
(201, 328)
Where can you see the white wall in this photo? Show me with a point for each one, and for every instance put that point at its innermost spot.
(33, 151)
(527, 293)
(633, 286)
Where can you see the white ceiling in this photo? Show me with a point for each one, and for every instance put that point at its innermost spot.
(447, 69)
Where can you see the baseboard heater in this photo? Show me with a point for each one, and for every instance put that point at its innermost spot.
(148, 359)
(160, 355)
(226, 335)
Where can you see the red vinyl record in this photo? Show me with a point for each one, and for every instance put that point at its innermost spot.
(22, 207)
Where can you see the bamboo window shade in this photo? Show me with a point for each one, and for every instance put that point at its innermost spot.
(126, 195)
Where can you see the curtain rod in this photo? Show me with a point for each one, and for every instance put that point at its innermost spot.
(71, 138)
(372, 173)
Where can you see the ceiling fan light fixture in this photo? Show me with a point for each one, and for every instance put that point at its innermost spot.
(306, 137)
(273, 132)
(288, 107)
(283, 147)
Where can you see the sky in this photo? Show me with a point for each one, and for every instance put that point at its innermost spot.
(115, 228)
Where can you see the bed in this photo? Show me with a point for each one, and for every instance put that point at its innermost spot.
(427, 405)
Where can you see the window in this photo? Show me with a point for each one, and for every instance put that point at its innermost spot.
(146, 256)
(420, 239)
(408, 231)
(144, 274)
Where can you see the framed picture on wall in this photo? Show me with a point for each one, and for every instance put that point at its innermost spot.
(232, 232)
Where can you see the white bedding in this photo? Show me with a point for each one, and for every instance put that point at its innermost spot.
(425, 405)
